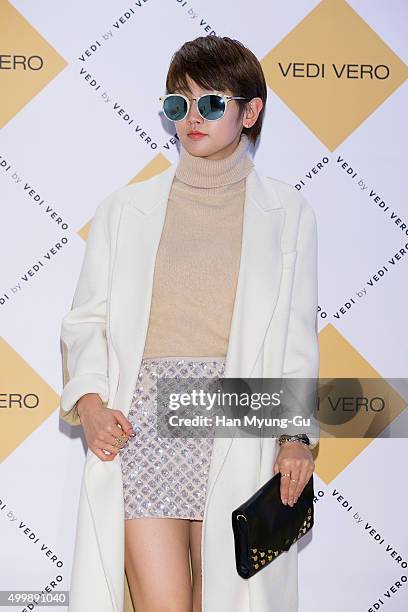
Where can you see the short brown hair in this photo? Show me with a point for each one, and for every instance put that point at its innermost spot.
(220, 63)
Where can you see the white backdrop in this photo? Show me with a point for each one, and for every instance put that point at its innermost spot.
(340, 137)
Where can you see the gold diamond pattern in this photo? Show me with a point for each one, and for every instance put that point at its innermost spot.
(340, 360)
(27, 400)
(333, 105)
(20, 42)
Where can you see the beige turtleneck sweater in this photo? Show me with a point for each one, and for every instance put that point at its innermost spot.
(198, 258)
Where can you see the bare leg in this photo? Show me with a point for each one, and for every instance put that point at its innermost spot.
(158, 564)
(195, 551)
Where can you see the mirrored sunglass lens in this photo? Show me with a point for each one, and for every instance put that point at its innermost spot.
(175, 108)
(211, 107)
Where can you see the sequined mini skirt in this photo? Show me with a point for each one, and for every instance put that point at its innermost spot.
(165, 476)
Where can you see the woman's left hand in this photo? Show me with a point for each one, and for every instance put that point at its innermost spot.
(295, 459)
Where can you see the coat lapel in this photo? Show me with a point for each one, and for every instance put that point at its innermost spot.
(257, 287)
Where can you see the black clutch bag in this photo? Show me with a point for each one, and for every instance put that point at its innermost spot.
(264, 526)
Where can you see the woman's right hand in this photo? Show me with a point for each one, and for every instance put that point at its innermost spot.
(102, 425)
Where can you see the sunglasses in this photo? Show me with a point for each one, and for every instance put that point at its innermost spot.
(210, 106)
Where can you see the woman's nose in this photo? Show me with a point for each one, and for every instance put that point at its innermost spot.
(193, 114)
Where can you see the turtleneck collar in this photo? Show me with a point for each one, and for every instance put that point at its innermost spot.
(208, 173)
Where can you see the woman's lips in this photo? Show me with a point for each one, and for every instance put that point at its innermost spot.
(196, 136)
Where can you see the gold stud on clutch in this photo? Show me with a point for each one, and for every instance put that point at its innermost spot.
(262, 557)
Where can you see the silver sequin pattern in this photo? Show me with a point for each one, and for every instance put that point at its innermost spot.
(165, 477)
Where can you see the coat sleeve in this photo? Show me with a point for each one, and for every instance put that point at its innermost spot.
(83, 329)
(301, 359)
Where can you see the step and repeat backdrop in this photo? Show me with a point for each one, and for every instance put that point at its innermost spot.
(80, 117)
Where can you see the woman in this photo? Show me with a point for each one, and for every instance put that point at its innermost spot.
(208, 269)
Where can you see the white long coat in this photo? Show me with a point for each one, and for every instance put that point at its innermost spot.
(273, 333)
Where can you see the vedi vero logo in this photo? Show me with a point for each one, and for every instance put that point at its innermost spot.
(333, 71)
(27, 62)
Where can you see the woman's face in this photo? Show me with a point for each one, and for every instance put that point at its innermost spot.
(220, 137)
